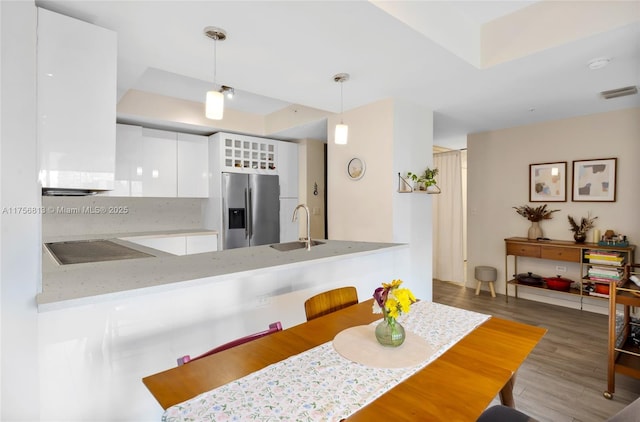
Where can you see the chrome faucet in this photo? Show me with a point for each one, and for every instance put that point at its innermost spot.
(295, 217)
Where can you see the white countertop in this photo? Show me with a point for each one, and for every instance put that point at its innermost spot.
(111, 236)
(77, 284)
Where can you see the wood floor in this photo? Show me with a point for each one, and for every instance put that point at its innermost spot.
(564, 377)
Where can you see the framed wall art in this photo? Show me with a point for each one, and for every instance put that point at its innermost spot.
(594, 180)
(548, 182)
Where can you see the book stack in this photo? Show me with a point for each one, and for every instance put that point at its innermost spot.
(604, 274)
(605, 257)
(606, 269)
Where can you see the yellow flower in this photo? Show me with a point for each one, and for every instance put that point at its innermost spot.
(393, 300)
(394, 284)
(392, 307)
(405, 299)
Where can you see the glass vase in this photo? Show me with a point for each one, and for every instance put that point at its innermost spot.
(390, 333)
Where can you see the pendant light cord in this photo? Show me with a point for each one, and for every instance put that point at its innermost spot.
(215, 59)
(341, 103)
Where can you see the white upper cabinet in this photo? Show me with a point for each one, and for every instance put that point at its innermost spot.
(128, 148)
(247, 154)
(158, 163)
(193, 166)
(76, 100)
(288, 169)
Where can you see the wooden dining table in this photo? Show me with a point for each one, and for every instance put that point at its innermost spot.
(457, 386)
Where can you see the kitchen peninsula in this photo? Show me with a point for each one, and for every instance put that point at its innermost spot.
(88, 283)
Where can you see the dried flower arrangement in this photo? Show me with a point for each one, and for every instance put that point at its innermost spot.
(535, 214)
(586, 224)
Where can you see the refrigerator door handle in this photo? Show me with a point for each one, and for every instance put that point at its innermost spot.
(249, 214)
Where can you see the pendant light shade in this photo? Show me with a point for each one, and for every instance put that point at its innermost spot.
(214, 107)
(214, 104)
(342, 134)
(342, 131)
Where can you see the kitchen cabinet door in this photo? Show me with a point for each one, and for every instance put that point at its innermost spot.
(288, 229)
(202, 243)
(193, 166)
(159, 170)
(128, 148)
(76, 103)
(288, 169)
(171, 244)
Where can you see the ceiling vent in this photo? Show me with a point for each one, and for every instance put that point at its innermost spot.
(620, 92)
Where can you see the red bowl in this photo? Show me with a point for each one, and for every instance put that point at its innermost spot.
(558, 283)
(602, 288)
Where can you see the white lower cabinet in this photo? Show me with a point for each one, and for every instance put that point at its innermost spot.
(201, 243)
(170, 244)
(178, 245)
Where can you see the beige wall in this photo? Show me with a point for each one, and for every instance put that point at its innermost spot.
(362, 209)
(311, 168)
(498, 178)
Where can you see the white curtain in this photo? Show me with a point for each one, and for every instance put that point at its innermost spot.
(448, 219)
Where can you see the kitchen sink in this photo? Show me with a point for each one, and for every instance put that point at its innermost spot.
(292, 246)
(84, 251)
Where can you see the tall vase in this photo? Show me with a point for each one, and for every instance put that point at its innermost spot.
(535, 231)
(389, 332)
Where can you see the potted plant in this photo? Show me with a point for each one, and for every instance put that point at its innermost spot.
(535, 215)
(580, 230)
(425, 180)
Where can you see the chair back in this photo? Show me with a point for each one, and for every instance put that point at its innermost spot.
(273, 327)
(330, 301)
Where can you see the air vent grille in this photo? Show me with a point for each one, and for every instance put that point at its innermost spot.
(620, 92)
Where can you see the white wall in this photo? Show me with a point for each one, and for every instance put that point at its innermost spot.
(498, 179)
(20, 240)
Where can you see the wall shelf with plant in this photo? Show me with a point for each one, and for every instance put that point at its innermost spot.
(419, 183)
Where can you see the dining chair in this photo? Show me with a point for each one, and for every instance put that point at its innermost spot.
(330, 301)
(273, 327)
(500, 413)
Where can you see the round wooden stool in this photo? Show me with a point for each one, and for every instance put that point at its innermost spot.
(484, 273)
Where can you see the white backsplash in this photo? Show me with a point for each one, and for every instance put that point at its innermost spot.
(70, 216)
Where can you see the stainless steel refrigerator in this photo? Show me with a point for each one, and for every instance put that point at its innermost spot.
(250, 210)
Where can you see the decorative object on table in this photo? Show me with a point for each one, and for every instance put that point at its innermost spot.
(610, 238)
(548, 182)
(558, 283)
(535, 215)
(425, 181)
(594, 180)
(529, 279)
(356, 168)
(391, 301)
(580, 230)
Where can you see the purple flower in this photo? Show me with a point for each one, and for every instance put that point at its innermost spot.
(380, 295)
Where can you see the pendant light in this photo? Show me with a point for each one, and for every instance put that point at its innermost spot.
(342, 130)
(214, 105)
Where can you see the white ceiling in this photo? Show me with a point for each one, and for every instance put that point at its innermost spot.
(286, 52)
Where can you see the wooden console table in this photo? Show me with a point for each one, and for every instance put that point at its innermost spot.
(557, 250)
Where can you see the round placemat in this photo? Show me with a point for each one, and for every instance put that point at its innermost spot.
(359, 344)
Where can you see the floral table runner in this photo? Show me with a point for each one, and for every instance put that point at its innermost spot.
(319, 384)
